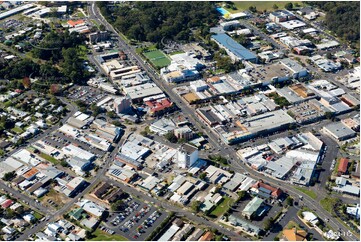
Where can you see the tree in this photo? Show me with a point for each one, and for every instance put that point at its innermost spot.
(329, 55)
(112, 114)
(329, 115)
(275, 7)
(253, 9)
(54, 89)
(63, 163)
(203, 176)
(289, 6)
(26, 82)
(268, 224)
(9, 176)
(289, 201)
(117, 205)
(96, 110)
(171, 137)
(241, 195)
(195, 206)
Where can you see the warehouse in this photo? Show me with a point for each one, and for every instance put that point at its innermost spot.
(235, 50)
(339, 131)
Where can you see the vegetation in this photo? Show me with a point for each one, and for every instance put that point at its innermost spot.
(289, 201)
(343, 19)
(195, 206)
(218, 159)
(222, 207)
(330, 204)
(117, 205)
(309, 193)
(171, 137)
(9, 176)
(280, 101)
(49, 158)
(99, 235)
(237, 6)
(153, 21)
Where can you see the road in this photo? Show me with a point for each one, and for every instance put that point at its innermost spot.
(168, 206)
(224, 150)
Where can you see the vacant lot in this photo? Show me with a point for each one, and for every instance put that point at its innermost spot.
(222, 207)
(157, 58)
(309, 193)
(102, 236)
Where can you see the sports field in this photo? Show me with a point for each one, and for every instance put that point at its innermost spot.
(157, 57)
(260, 5)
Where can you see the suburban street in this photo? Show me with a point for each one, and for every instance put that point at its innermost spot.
(224, 150)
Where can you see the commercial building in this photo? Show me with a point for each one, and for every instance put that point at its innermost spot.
(263, 124)
(230, 25)
(281, 16)
(339, 131)
(160, 106)
(295, 68)
(98, 36)
(15, 10)
(122, 105)
(236, 51)
(264, 190)
(139, 92)
(183, 67)
(162, 126)
(187, 155)
(254, 208)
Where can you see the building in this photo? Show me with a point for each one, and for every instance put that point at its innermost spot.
(236, 51)
(281, 16)
(162, 126)
(310, 217)
(187, 155)
(122, 105)
(208, 116)
(98, 36)
(342, 166)
(183, 67)
(74, 186)
(91, 207)
(254, 208)
(295, 68)
(158, 107)
(294, 234)
(230, 25)
(139, 92)
(264, 190)
(339, 131)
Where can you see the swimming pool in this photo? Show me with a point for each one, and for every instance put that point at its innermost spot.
(222, 11)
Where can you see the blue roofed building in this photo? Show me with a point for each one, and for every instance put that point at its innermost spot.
(235, 50)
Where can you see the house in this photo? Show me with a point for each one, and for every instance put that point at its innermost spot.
(29, 218)
(208, 236)
(294, 234)
(342, 166)
(310, 217)
(264, 190)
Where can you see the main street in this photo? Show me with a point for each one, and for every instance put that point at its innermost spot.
(212, 138)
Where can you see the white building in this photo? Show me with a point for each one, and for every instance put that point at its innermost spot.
(187, 155)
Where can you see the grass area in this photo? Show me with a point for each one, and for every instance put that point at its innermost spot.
(17, 130)
(80, 14)
(334, 172)
(309, 193)
(95, 23)
(261, 6)
(292, 224)
(102, 236)
(222, 207)
(37, 215)
(176, 52)
(157, 58)
(49, 158)
(329, 204)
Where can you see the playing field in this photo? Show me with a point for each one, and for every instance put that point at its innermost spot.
(157, 57)
(260, 5)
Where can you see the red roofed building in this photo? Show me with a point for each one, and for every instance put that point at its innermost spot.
(264, 190)
(73, 23)
(208, 236)
(7, 203)
(159, 106)
(342, 166)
